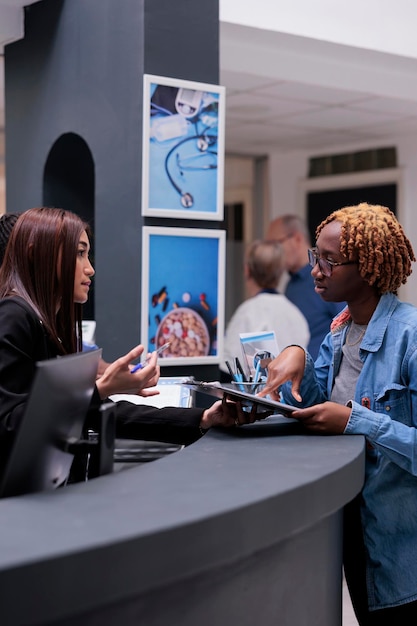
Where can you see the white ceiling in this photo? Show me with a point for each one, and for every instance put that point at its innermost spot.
(275, 101)
(287, 115)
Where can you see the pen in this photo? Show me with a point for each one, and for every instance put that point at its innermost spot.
(229, 367)
(239, 376)
(139, 366)
(238, 379)
(257, 372)
(239, 369)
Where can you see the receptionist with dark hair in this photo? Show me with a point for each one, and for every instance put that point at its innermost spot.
(44, 280)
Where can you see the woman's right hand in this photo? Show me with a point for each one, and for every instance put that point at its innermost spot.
(117, 378)
(289, 365)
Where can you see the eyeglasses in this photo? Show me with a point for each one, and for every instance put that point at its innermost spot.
(325, 266)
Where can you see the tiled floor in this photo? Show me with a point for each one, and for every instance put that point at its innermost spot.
(349, 618)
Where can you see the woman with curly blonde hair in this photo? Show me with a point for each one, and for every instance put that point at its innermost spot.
(364, 382)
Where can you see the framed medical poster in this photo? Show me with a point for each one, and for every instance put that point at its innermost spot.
(183, 149)
(183, 294)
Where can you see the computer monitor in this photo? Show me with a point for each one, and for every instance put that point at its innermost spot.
(55, 414)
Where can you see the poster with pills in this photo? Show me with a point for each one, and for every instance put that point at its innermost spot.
(183, 282)
(182, 149)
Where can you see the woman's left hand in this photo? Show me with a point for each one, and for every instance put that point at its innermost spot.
(230, 413)
(328, 417)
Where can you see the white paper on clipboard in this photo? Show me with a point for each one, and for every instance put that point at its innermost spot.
(171, 393)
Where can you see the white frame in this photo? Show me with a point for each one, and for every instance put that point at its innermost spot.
(148, 267)
(178, 212)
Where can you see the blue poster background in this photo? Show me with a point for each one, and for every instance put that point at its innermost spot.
(183, 155)
(183, 272)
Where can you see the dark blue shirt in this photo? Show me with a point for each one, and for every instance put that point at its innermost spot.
(318, 313)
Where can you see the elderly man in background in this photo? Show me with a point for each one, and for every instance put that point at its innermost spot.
(292, 233)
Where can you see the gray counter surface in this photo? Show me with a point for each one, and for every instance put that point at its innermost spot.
(229, 496)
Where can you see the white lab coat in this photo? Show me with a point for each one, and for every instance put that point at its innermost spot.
(265, 311)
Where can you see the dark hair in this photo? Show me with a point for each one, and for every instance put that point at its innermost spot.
(264, 260)
(7, 221)
(372, 236)
(39, 266)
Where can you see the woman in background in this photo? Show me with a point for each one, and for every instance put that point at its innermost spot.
(266, 309)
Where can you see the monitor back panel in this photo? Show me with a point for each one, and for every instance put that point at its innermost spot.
(55, 413)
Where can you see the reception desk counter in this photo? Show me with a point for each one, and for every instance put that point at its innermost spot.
(241, 528)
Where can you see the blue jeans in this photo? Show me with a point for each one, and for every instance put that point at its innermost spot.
(354, 567)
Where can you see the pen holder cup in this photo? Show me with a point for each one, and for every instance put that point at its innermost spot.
(248, 387)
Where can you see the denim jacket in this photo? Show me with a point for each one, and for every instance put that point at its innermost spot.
(384, 409)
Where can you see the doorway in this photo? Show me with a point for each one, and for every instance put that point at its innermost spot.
(69, 183)
(238, 226)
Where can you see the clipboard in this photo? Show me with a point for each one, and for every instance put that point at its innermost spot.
(218, 390)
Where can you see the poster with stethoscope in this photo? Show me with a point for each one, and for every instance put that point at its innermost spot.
(183, 149)
(183, 283)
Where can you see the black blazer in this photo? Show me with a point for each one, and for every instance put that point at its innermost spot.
(24, 341)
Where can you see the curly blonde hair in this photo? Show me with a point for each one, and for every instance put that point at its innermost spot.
(372, 236)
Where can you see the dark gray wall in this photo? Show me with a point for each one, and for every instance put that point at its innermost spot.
(79, 70)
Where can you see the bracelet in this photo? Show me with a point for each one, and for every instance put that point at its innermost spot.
(293, 345)
(296, 345)
(202, 430)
